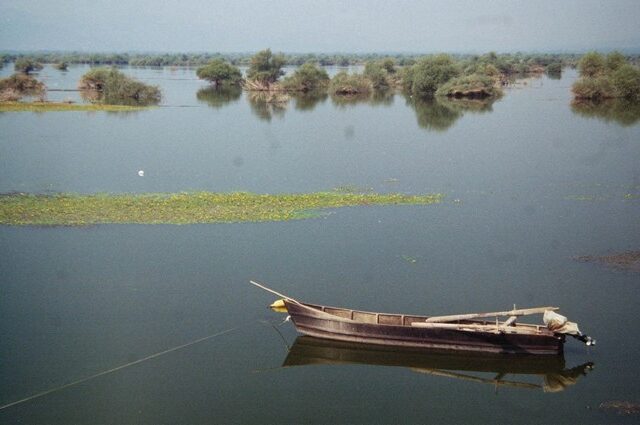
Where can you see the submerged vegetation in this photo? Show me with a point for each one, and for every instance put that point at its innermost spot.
(629, 260)
(110, 86)
(64, 107)
(184, 208)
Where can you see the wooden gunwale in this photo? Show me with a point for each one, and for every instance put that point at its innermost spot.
(423, 322)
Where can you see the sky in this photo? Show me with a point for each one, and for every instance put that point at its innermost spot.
(412, 26)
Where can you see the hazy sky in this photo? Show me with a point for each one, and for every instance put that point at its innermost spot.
(319, 26)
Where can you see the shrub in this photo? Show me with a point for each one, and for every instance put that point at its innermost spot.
(376, 74)
(615, 60)
(474, 86)
(430, 73)
(554, 68)
(626, 82)
(18, 85)
(591, 65)
(61, 66)
(593, 88)
(349, 84)
(113, 87)
(220, 72)
(306, 78)
(26, 65)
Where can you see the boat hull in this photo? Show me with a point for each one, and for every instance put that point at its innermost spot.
(316, 321)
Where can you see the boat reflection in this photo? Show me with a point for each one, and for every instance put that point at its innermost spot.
(554, 375)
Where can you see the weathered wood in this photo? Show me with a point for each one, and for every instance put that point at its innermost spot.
(477, 327)
(510, 321)
(519, 312)
(273, 292)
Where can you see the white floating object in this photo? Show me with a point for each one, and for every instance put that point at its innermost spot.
(141, 173)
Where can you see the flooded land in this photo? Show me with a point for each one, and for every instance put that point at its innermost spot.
(153, 324)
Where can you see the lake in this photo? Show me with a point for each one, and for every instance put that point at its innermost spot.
(530, 183)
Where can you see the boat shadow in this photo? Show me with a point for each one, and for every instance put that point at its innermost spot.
(549, 371)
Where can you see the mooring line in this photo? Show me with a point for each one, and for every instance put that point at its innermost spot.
(115, 369)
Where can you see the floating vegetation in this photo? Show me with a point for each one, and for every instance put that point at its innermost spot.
(621, 407)
(629, 260)
(352, 188)
(63, 107)
(409, 259)
(63, 209)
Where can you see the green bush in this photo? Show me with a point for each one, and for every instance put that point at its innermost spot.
(113, 87)
(606, 78)
(307, 77)
(593, 88)
(349, 84)
(220, 72)
(26, 65)
(18, 85)
(377, 74)
(626, 82)
(426, 76)
(473, 86)
(591, 65)
(615, 60)
(554, 68)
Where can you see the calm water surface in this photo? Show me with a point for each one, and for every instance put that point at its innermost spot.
(529, 184)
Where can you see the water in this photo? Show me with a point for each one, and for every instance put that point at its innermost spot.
(529, 183)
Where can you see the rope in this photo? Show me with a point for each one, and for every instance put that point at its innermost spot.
(115, 369)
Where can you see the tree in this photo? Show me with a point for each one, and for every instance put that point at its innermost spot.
(26, 65)
(430, 73)
(266, 67)
(219, 72)
(591, 65)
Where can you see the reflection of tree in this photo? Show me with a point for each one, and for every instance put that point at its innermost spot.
(373, 98)
(433, 115)
(382, 97)
(219, 96)
(94, 96)
(342, 100)
(620, 111)
(439, 113)
(267, 104)
(307, 101)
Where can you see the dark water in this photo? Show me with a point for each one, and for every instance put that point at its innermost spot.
(530, 183)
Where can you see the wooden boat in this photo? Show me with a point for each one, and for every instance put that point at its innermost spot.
(473, 367)
(466, 332)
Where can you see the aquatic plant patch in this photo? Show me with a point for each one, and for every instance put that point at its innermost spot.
(64, 107)
(22, 209)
